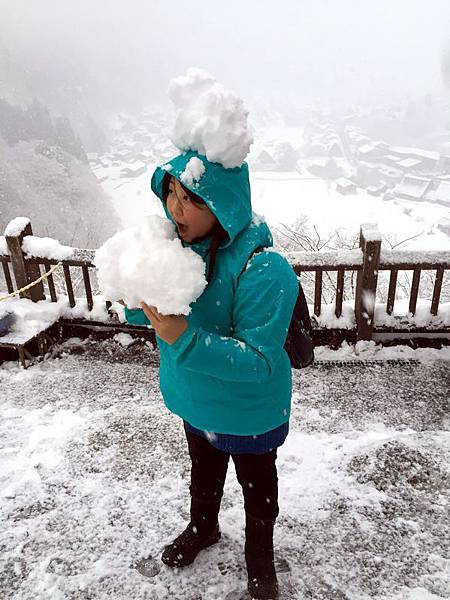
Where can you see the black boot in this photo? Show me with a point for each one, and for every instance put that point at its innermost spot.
(262, 578)
(203, 531)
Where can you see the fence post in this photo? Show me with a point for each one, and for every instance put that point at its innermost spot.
(366, 281)
(24, 273)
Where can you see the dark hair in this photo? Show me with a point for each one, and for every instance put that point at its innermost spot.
(218, 233)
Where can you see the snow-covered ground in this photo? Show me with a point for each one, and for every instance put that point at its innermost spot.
(94, 476)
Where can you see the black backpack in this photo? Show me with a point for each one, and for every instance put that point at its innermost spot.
(299, 342)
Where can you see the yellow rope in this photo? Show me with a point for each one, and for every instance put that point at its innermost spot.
(30, 285)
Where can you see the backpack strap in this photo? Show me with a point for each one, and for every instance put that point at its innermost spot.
(255, 251)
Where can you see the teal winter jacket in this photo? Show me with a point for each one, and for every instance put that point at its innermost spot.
(229, 372)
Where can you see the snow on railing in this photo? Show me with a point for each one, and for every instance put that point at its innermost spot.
(27, 253)
(425, 259)
(330, 260)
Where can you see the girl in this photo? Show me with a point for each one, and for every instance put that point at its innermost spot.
(223, 369)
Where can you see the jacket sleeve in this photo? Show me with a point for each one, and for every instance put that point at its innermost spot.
(263, 305)
(136, 316)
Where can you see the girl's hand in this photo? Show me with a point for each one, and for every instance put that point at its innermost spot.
(168, 327)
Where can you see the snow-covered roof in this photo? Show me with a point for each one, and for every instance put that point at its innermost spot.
(366, 149)
(376, 189)
(344, 183)
(122, 153)
(264, 155)
(409, 163)
(442, 192)
(359, 141)
(414, 187)
(146, 154)
(381, 145)
(136, 166)
(416, 152)
(319, 162)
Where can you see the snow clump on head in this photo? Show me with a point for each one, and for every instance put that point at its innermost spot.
(209, 119)
(193, 172)
(148, 262)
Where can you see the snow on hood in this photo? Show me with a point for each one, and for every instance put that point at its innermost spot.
(209, 119)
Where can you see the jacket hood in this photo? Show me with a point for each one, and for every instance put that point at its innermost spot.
(226, 192)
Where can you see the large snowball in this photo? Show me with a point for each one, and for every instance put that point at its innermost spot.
(149, 263)
(209, 119)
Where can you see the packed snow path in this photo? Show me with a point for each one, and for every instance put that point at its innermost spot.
(94, 475)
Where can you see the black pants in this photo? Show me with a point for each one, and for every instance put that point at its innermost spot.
(256, 473)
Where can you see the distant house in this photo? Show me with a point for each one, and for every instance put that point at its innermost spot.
(101, 178)
(377, 190)
(428, 158)
(382, 147)
(444, 163)
(388, 196)
(95, 159)
(264, 161)
(409, 164)
(152, 127)
(92, 157)
(359, 140)
(441, 194)
(390, 159)
(141, 135)
(413, 188)
(146, 156)
(335, 149)
(314, 148)
(444, 226)
(326, 168)
(122, 155)
(163, 151)
(367, 175)
(369, 152)
(147, 138)
(127, 147)
(391, 175)
(134, 169)
(345, 186)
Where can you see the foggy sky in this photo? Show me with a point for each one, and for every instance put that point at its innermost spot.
(326, 51)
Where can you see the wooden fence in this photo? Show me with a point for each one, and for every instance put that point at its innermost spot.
(367, 261)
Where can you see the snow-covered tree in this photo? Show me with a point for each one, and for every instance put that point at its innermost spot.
(57, 192)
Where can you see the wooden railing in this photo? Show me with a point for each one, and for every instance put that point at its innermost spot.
(366, 261)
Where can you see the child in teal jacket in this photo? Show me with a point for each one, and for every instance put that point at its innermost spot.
(223, 368)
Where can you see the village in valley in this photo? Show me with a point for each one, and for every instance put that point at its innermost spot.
(308, 145)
